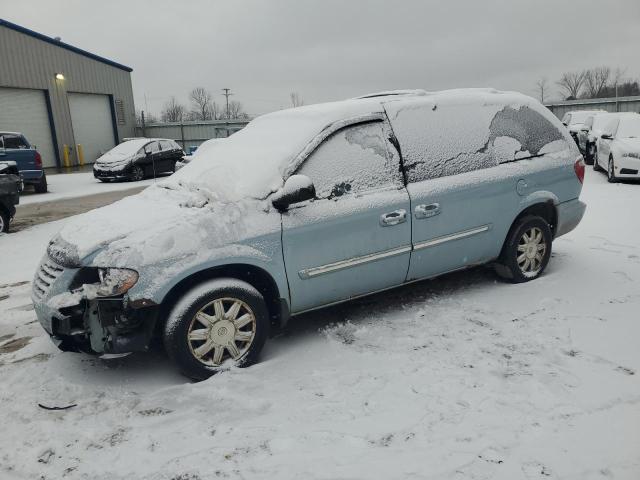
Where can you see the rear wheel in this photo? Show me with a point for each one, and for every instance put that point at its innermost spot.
(41, 187)
(526, 251)
(4, 221)
(220, 322)
(611, 171)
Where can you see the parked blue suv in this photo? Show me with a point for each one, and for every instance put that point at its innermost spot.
(15, 147)
(309, 207)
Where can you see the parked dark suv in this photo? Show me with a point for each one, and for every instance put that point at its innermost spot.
(15, 147)
(138, 158)
(10, 186)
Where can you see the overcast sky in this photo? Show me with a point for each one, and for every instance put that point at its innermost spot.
(328, 50)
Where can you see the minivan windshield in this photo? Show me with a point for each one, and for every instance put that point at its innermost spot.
(629, 128)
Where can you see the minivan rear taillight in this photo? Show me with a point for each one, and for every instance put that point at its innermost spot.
(38, 160)
(579, 168)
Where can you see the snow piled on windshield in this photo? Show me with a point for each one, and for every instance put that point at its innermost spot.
(127, 148)
(252, 162)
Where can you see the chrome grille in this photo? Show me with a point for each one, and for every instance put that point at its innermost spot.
(45, 275)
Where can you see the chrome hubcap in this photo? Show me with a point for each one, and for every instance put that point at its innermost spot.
(531, 251)
(221, 330)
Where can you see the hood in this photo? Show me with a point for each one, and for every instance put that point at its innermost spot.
(158, 225)
(630, 144)
(115, 157)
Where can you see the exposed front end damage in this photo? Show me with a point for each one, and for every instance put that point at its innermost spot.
(68, 308)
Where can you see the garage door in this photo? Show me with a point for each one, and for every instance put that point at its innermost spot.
(92, 124)
(25, 111)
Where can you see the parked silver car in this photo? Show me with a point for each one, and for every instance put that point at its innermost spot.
(309, 207)
(619, 148)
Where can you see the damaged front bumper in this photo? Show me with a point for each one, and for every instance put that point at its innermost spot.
(77, 321)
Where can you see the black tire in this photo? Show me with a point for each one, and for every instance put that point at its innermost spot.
(596, 167)
(588, 158)
(182, 321)
(137, 173)
(611, 172)
(4, 221)
(508, 266)
(41, 187)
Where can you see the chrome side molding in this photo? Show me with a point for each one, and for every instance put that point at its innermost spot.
(449, 238)
(352, 262)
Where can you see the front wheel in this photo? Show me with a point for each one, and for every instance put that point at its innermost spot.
(611, 171)
(4, 221)
(137, 173)
(596, 165)
(220, 322)
(526, 251)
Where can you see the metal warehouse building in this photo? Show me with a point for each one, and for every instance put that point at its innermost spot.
(71, 104)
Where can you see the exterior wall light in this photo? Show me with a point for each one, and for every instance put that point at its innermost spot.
(59, 76)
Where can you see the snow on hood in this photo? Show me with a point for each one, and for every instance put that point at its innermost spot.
(631, 145)
(158, 223)
(252, 162)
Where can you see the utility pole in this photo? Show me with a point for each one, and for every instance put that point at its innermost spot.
(227, 94)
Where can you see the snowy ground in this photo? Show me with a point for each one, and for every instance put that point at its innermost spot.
(462, 377)
(72, 185)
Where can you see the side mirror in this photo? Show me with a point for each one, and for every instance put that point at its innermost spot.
(297, 188)
(606, 136)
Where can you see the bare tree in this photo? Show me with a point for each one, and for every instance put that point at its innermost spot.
(542, 86)
(296, 99)
(596, 81)
(236, 110)
(201, 104)
(571, 84)
(173, 111)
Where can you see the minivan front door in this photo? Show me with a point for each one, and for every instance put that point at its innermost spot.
(355, 238)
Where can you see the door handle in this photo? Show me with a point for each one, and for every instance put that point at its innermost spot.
(393, 218)
(427, 211)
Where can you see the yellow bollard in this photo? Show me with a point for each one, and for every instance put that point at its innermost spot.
(65, 156)
(80, 155)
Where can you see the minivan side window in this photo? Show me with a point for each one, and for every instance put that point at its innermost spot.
(352, 160)
(439, 140)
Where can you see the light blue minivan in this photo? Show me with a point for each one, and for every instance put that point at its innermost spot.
(310, 207)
